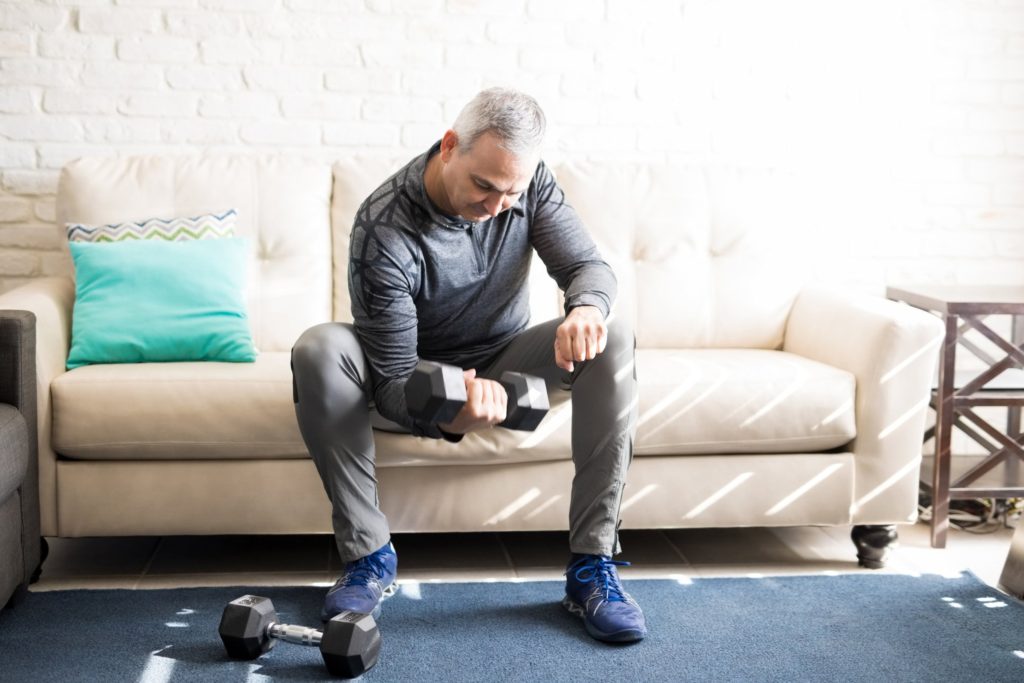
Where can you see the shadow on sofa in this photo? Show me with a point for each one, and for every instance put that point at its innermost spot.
(20, 543)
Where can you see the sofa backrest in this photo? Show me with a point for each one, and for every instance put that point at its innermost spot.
(283, 209)
(705, 256)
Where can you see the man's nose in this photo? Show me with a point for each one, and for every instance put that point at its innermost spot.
(494, 204)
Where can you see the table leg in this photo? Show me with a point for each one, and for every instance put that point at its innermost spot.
(1013, 412)
(1013, 431)
(944, 417)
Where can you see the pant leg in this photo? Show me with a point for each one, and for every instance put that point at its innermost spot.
(329, 382)
(604, 414)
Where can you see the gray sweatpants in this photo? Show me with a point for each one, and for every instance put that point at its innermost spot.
(334, 409)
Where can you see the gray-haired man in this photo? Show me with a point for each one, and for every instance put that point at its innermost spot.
(438, 263)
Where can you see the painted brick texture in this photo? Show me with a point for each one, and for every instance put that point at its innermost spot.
(904, 117)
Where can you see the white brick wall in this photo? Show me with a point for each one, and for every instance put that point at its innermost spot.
(905, 116)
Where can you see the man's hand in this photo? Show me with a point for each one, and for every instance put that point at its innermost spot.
(486, 403)
(581, 336)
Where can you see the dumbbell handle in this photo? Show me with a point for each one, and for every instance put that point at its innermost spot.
(300, 635)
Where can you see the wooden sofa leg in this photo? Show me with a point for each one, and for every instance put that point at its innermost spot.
(874, 542)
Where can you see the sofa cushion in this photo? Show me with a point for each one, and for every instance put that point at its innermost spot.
(190, 410)
(283, 209)
(242, 411)
(701, 402)
(705, 256)
(13, 450)
(712, 401)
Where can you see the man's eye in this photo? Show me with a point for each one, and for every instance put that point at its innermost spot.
(482, 186)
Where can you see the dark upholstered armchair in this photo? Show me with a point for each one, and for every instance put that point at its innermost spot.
(19, 467)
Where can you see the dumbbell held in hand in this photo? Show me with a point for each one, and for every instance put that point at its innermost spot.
(436, 393)
(350, 642)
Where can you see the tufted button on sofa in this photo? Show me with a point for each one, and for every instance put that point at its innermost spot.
(763, 401)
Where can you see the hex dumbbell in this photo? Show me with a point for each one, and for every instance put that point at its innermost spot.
(436, 393)
(350, 642)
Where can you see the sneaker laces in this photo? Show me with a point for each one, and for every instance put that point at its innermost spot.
(601, 572)
(363, 570)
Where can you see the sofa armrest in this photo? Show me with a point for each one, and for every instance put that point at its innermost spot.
(50, 300)
(18, 389)
(892, 350)
(18, 362)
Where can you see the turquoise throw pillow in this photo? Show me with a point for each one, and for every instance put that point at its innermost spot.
(153, 300)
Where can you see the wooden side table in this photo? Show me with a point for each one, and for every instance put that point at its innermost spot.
(963, 308)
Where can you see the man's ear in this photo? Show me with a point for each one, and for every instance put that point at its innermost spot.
(449, 143)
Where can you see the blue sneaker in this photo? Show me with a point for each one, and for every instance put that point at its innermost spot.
(594, 593)
(363, 585)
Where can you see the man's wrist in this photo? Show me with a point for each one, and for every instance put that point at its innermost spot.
(598, 309)
(570, 307)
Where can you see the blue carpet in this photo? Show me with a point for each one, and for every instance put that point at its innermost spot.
(857, 627)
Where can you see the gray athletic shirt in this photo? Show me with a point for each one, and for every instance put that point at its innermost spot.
(428, 285)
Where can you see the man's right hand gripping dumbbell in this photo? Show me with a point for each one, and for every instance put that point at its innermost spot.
(437, 393)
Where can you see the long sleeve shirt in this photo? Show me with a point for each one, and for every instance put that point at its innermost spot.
(432, 286)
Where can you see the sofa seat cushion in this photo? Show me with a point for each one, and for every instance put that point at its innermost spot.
(712, 401)
(188, 410)
(691, 401)
(209, 411)
(550, 441)
(13, 450)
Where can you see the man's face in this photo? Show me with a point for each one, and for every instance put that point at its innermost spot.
(487, 179)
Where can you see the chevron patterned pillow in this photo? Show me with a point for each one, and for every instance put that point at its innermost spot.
(207, 226)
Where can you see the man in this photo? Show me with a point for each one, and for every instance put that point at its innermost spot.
(438, 264)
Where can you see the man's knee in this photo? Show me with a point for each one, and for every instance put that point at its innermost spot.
(620, 346)
(323, 348)
(324, 341)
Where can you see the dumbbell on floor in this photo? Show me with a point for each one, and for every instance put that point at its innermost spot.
(350, 642)
(436, 393)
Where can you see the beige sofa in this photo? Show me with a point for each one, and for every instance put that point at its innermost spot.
(762, 402)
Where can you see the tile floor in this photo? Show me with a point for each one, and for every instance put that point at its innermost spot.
(148, 562)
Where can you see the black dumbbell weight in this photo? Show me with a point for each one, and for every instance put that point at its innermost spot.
(527, 400)
(349, 644)
(436, 393)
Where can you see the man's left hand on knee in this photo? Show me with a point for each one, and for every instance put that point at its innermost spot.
(581, 336)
